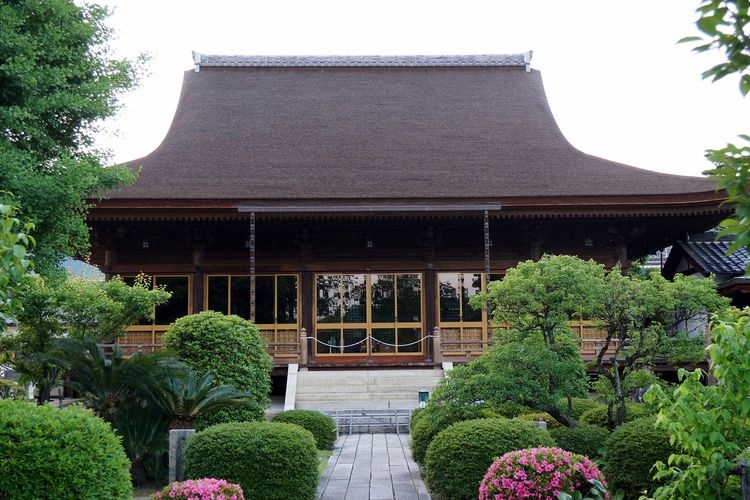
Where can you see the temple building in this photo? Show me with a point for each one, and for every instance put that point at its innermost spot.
(351, 205)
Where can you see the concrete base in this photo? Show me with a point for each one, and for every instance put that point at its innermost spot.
(178, 441)
(291, 386)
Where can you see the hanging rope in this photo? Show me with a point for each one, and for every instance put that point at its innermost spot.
(346, 346)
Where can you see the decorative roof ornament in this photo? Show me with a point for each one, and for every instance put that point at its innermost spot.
(239, 61)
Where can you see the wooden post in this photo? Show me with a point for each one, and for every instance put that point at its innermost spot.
(438, 355)
(303, 346)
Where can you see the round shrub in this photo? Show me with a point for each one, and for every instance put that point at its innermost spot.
(584, 439)
(580, 406)
(322, 427)
(540, 473)
(459, 456)
(51, 453)
(600, 417)
(541, 416)
(434, 419)
(229, 347)
(416, 414)
(270, 461)
(632, 450)
(252, 413)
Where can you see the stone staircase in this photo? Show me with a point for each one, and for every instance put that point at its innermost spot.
(373, 389)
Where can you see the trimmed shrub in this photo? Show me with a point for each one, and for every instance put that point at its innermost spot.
(583, 440)
(51, 453)
(270, 461)
(322, 427)
(632, 450)
(201, 489)
(580, 406)
(434, 419)
(541, 473)
(599, 416)
(459, 456)
(230, 348)
(416, 414)
(543, 416)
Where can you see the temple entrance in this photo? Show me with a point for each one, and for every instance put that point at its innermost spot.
(369, 315)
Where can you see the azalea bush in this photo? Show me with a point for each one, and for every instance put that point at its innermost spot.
(202, 489)
(542, 473)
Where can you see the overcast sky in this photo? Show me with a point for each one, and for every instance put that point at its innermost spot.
(619, 85)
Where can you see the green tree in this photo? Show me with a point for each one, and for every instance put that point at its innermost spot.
(75, 308)
(14, 258)
(707, 424)
(640, 319)
(57, 80)
(541, 296)
(723, 26)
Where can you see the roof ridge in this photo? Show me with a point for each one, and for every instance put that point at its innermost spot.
(249, 61)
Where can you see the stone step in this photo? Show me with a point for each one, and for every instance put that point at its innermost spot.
(409, 404)
(360, 396)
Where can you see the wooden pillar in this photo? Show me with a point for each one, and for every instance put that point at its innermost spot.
(307, 289)
(430, 319)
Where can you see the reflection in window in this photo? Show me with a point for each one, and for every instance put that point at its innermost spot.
(354, 298)
(240, 297)
(264, 299)
(387, 308)
(328, 298)
(450, 308)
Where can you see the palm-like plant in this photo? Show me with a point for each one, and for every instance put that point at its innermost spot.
(184, 394)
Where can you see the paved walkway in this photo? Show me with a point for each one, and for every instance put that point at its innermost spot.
(374, 467)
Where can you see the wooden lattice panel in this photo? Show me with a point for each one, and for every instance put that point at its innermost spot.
(450, 333)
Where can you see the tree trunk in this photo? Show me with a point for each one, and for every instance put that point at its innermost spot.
(45, 394)
(619, 397)
(561, 417)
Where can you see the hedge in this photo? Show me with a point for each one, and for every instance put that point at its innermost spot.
(322, 427)
(47, 452)
(584, 440)
(458, 457)
(632, 450)
(270, 461)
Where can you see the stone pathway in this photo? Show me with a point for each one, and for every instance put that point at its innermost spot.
(374, 467)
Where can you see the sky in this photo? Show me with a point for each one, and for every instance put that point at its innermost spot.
(618, 83)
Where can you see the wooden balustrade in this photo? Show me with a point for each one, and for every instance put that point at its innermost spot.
(289, 345)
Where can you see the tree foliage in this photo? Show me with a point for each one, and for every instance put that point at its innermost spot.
(14, 257)
(541, 296)
(75, 308)
(57, 80)
(708, 425)
(724, 27)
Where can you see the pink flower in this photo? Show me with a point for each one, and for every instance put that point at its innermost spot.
(202, 489)
(538, 473)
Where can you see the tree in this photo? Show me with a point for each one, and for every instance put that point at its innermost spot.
(14, 261)
(723, 24)
(541, 296)
(57, 80)
(75, 308)
(707, 424)
(640, 317)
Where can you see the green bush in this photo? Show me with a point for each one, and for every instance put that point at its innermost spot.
(416, 414)
(580, 406)
(583, 440)
(435, 418)
(230, 348)
(459, 456)
(253, 413)
(270, 461)
(541, 416)
(51, 453)
(632, 450)
(322, 427)
(598, 416)
(511, 409)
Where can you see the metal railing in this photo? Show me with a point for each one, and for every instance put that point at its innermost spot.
(352, 421)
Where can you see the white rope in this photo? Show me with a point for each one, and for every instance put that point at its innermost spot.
(346, 346)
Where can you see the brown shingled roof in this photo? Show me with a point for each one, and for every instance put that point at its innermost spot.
(368, 131)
